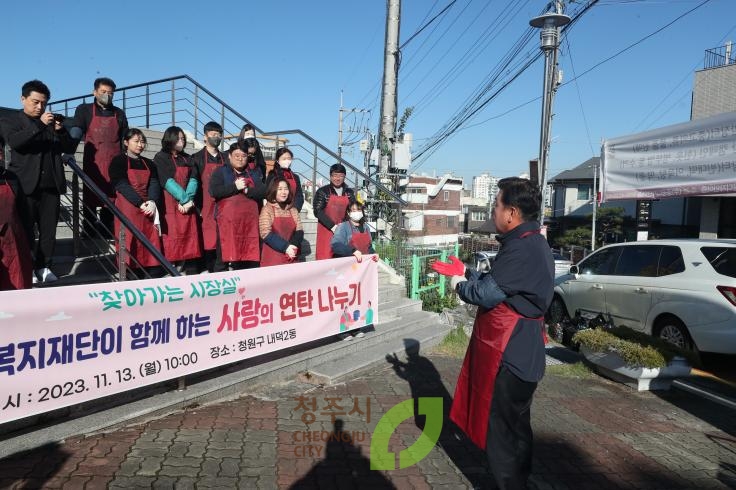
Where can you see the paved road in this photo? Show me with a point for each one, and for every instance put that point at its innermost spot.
(589, 433)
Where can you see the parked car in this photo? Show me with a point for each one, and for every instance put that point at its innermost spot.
(562, 265)
(683, 291)
(484, 260)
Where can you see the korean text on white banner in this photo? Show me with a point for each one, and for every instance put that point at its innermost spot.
(689, 159)
(62, 346)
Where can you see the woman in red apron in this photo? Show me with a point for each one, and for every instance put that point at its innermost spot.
(137, 190)
(282, 170)
(280, 226)
(352, 236)
(16, 264)
(237, 191)
(330, 203)
(178, 177)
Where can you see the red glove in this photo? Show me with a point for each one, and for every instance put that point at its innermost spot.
(454, 268)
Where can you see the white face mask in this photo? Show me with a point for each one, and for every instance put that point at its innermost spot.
(356, 215)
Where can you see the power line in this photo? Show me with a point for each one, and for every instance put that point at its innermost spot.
(427, 24)
(580, 98)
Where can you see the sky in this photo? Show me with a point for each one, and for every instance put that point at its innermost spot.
(285, 64)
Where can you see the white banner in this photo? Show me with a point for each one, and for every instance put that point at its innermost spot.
(63, 346)
(690, 159)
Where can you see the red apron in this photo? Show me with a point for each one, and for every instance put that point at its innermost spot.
(181, 233)
(16, 265)
(237, 223)
(209, 226)
(283, 226)
(289, 177)
(335, 210)
(360, 241)
(139, 180)
(492, 330)
(101, 145)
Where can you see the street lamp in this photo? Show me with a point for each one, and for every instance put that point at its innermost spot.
(549, 24)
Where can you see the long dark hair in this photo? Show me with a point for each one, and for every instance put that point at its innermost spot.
(355, 203)
(170, 137)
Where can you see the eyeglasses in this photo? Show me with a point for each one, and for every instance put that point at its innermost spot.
(238, 157)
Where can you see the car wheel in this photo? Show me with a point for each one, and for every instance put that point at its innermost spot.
(557, 312)
(672, 330)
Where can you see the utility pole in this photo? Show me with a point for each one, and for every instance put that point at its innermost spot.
(387, 130)
(342, 111)
(549, 24)
(595, 204)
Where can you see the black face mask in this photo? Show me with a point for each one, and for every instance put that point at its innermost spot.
(251, 158)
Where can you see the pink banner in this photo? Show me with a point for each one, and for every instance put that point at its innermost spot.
(62, 346)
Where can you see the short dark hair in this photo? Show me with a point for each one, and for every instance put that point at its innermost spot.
(281, 151)
(212, 126)
(233, 147)
(134, 132)
(35, 86)
(338, 168)
(104, 81)
(354, 202)
(170, 137)
(273, 187)
(522, 194)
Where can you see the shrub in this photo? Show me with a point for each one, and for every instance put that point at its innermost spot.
(632, 353)
(432, 301)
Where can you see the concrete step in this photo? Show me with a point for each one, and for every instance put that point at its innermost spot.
(405, 335)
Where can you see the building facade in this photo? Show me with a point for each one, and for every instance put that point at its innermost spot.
(432, 215)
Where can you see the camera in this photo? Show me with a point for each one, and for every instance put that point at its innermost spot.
(59, 118)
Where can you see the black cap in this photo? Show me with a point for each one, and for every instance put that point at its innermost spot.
(338, 168)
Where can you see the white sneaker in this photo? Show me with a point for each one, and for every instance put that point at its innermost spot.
(34, 278)
(359, 335)
(46, 275)
(346, 336)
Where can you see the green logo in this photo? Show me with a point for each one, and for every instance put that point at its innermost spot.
(382, 458)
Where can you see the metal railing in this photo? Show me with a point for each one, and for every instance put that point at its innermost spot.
(97, 240)
(723, 55)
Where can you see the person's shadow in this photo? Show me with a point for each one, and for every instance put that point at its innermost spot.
(425, 381)
(343, 466)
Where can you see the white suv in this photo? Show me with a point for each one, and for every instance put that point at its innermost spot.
(683, 291)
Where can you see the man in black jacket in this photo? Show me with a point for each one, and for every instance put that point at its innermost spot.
(37, 139)
(330, 203)
(103, 126)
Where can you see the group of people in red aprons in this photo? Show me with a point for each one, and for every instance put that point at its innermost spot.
(217, 211)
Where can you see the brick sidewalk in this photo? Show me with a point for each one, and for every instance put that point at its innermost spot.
(589, 433)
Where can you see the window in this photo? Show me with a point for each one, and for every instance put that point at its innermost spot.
(477, 216)
(584, 192)
(638, 260)
(601, 262)
(416, 190)
(447, 195)
(670, 261)
(451, 221)
(723, 259)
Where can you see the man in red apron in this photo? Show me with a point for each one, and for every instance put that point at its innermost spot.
(208, 159)
(330, 203)
(237, 191)
(505, 359)
(16, 264)
(103, 125)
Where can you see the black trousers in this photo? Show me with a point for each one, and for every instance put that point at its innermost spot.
(43, 207)
(509, 439)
